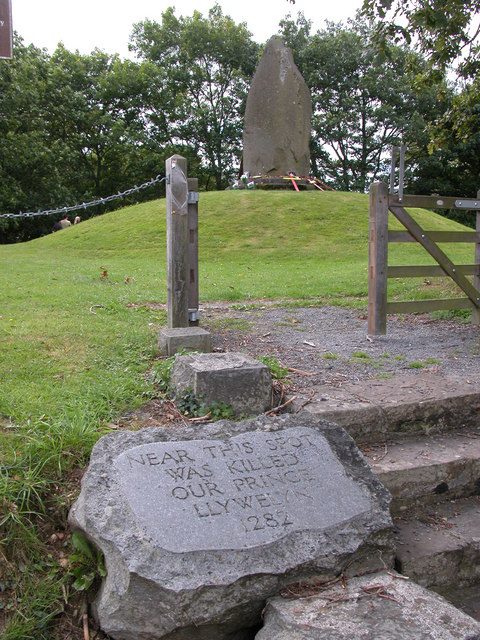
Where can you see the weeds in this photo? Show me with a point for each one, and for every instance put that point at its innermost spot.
(422, 364)
(87, 564)
(162, 373)
(277, 370)
(188, 403)
(361, 355)
(330, 356)
(193, 407)
(233, 324)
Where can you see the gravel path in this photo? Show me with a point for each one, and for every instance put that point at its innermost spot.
(334, 363)
(330, 341)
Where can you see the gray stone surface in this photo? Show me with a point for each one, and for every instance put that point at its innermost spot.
(200, 525)
(277, 127)
(464, 598)
(377, 607)
(420, 472)
(171, 341)
(233, 378)
(442, 547)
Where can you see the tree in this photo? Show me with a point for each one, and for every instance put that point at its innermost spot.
(74, 127)
(99, 108)
(362, 103)
(447, 31)
(456, 138)
(207, 64)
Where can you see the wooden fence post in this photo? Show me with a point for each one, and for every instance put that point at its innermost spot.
(177, 241)
(378, 259)
(193, 298)
(476, 277)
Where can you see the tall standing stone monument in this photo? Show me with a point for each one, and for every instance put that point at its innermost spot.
(277, 127)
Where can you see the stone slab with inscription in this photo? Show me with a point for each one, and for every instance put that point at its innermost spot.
(200, 525)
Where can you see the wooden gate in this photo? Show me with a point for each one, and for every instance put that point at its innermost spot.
(381, 202)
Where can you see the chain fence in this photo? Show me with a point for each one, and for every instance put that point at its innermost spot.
(85, 205)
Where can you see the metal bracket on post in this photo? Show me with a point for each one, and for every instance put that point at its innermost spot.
(400, 151)
(193, 295)
(473, 205)
(193, 316)
(393, 158)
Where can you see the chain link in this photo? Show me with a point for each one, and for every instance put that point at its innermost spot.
(85, 205)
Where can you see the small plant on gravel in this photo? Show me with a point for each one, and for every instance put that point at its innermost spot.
(361, 355)
(421, 364)
(385, 375)
(416, 364)
(234, 324)
(277, 370)
(330, 356)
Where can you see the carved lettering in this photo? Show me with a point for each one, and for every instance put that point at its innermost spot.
(251, 489)
(188, 473)
(153, 459)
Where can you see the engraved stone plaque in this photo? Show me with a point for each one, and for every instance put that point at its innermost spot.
(257, 488)
(199, 525)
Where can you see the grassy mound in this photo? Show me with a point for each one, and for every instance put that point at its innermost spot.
(253, 244)
(78, 332)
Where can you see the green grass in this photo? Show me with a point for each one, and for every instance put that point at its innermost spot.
(421, 364)
(78, 333)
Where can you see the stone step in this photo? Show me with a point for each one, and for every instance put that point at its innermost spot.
(428, 470)
(441, 548)
(400, 407)
(377, 606)
(467, 599)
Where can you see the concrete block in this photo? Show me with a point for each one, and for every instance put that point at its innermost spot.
(233, 378)
(171, 341)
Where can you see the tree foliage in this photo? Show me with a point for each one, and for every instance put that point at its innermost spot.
(363, 103)
(208, 63)
(75, 127)
(446, 31)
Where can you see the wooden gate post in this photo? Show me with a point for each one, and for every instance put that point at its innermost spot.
(193, 299)
(177, 241)
(476, 277)
(378, 259)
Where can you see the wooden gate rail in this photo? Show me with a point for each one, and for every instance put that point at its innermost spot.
(381, 202)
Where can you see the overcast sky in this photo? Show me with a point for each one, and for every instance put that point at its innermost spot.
(107, 24)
